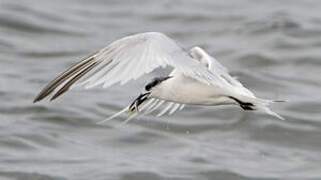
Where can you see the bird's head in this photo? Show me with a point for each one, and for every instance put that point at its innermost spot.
(146, 94)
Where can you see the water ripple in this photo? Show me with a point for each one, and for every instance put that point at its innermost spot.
(272, 47)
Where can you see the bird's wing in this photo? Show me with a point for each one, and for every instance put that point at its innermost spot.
(152, 105)
(220, 71)
(126, 59)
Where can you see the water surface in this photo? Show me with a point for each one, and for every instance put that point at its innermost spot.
(272, 46)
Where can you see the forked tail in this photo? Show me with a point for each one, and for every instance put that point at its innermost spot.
(250, 103)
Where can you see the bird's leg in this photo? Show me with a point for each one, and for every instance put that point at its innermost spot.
(247, 106)
(138, 101)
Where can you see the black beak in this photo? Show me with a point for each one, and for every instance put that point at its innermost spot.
(138, 101)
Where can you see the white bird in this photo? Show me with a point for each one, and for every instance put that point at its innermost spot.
(197, 78)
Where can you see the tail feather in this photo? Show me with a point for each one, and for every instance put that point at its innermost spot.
(269, 111)
(250, 103)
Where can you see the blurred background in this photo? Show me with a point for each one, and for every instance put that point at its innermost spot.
(273, 47)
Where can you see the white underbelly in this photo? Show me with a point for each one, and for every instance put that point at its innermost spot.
(183, 90)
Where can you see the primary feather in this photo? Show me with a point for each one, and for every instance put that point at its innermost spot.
(127, 59)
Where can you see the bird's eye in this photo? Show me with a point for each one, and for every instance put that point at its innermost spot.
(155, 82)
(148, 87)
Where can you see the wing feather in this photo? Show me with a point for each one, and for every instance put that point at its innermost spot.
(127, 59)
(220, 71)
(151, 107)
(73, 80)
(63, 77)
(148, 107)
(169, 105)
(155, 107)
(176, 106)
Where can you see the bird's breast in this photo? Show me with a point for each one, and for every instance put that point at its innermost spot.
(185, 90)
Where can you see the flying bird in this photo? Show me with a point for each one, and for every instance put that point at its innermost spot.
(197, 77)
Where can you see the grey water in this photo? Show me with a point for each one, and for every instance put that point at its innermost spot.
(272, 46)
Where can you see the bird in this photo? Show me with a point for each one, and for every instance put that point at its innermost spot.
(197, 78)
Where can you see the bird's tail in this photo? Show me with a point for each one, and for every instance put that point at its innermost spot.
(253, 103)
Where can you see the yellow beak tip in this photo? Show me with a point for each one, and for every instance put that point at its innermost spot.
(129, 111)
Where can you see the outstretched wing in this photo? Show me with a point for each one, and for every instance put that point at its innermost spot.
(150, 106)
(126, 59)
(220, 71)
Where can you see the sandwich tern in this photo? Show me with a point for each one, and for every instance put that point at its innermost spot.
(197, 77)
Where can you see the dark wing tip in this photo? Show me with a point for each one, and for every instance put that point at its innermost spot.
(73, 80)
(56, 95)
(44, 93)
(37, 99)
(64, 77)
